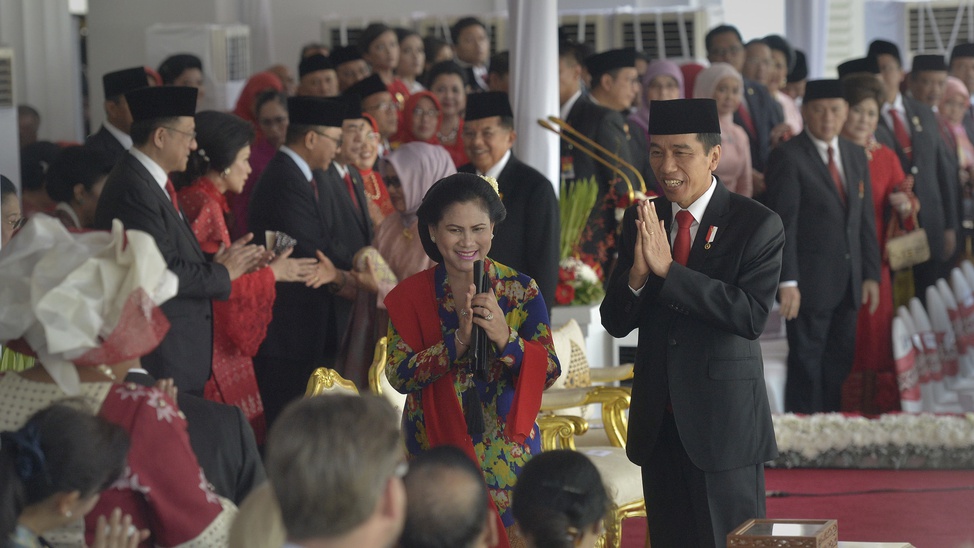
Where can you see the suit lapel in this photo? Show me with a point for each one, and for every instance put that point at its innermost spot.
(823, 170)
(165, 204)
(711, 218)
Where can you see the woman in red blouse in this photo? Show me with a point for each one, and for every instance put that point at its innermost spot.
(871, 386)
(220, 165)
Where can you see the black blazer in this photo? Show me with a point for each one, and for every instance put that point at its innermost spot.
(764, 115)
(528, 239)
(185, 354)
(935, 181)
(222, 440)
(829, 247)
(302, 328)
(969, 123)
(698, 331)
(106, 143)
(606, 127)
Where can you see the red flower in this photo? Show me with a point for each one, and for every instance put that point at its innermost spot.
(564, 294)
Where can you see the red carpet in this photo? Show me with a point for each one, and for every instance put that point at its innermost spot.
(933, 508)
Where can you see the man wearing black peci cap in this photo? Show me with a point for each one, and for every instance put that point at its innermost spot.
(928, 79)
(113, 138)
(862, 65)
(819, 185)
(317, 77)
(288, 198)
(139, 192)
(697, 274)
(528, 239)
(349, 66)
(910, 129)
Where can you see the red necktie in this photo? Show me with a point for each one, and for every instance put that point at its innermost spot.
(351, 189)
(681, 246)
(902, 136)
(836, 178)
(748, 121)
(314, 187)
(171, 191)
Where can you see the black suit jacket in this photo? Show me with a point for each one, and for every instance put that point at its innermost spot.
(762, 108)
(106, 143)
(528, 239)
(935, 181)
(698, 331)
(829, 246)
(606, 127)
(222, 440)
(969, 122)
(302, 328)
(185, 354)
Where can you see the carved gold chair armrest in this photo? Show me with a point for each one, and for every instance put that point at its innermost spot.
(324, 380)
(559, 431)
(614, 400)
(603, 375)
(378, 368)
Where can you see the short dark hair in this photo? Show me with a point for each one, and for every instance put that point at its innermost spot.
(462, 25)
(432, 45)
(174, 65)
(219, 136)
(267, 96)
(61, 448)
(73, 166)
(569, 49)
(402, 33)
(7, 188)
(369, 34)
(27, 110)
(35, 161)
(454, 189)
(558, 495)
(721, 29)
(709, 140)
(445, 67)
(439, 512)
(856, 88)
(141, 130)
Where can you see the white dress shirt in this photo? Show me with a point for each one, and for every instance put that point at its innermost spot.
(124, 138)
(302, 164)
(496, 169)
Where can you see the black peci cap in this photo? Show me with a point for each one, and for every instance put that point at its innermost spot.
(683, 116)
(363, 88)
(162, 102)
(344, 54)
(823, 89)
(314, 63)
(123, 81)
(600, 63)
(854, 66)
(487, 104)
(879, 47)
(926, 62)
(961, 50)
(315, 111)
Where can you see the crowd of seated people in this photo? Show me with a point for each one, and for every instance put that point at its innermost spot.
(288, 223)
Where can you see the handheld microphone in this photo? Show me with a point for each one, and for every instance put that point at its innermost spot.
(479, 342)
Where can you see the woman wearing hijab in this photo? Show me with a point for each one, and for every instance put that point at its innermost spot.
(724, 84)
(663, 81)
(421, 119)
(953, 107)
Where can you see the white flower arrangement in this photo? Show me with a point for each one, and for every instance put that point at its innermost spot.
(897, 440)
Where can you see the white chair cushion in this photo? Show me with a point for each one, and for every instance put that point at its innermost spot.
(622, 478)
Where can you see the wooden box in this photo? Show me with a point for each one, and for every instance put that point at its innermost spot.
(785, 533)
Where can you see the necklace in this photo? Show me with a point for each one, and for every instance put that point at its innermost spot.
(375, 187)
(450, 136)
(408, 234)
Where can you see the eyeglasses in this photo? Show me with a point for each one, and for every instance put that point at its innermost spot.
(190, 134)
(371, 136)
(338, 141)
(384, 105)
(17, 223)
(431, 113)
(276, 121)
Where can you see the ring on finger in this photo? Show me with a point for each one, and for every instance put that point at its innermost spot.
(489, 316)
(463, 312)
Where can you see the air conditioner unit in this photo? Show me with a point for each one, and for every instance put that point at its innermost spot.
(341, 31)
(936, 27)
(9, 135)
(588, 27)
(224, 50)
(670, 33)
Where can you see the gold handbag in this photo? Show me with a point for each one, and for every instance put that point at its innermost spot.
(906, 249)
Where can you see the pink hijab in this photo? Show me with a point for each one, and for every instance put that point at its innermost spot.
(418, 165)
(658, 67)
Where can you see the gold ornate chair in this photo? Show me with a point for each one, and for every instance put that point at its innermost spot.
(327, 381)
(378, 382)
(560, 424)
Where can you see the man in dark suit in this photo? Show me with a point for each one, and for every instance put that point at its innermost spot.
(962, 67)
(700, 423)
(528, 239)
(912, 131)
(819, 184)
(606, 127)
(222, 440)
(139, 192)
(289, 199)
(471, 44)
(758, 114)
(113, 138)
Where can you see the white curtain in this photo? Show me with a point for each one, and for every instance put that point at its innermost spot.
(533, 45)
(806, 26)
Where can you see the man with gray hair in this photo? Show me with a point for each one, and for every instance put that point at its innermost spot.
(447, 502)
(336, 465)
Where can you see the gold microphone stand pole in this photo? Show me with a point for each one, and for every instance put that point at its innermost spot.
(594, 155)
(577, 134)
